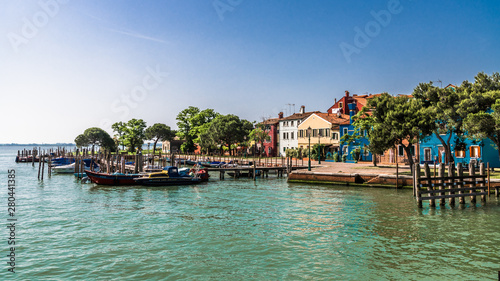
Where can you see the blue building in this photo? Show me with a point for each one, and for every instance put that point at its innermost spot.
(362, 143)
(432, 151)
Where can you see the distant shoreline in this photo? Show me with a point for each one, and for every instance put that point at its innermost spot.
(37, 144)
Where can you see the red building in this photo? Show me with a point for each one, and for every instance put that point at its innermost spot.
(271, 126)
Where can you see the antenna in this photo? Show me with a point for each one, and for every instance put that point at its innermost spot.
(290, 107)
(439, 80)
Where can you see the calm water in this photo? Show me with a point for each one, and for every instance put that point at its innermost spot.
(240, 230)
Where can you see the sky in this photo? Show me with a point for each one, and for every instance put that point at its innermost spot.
(68, 65)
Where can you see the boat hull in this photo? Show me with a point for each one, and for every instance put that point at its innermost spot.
(167, 181)
(112, 179)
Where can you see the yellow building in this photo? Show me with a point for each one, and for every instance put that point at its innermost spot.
(325, 129)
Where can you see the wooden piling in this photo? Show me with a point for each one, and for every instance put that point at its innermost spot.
(441, 187)
(427, 172)
(451, 174)
(416, 192)
(483, 186)
(461, 200)
(472, 172)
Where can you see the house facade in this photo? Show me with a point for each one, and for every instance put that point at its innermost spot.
(288, 134)
(325, 130)
(432, 151)
(271, 127)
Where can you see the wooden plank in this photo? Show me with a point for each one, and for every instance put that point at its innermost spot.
(461, 200)
(450, 190)
(453, 195)
(452, 183)
(456, 177)
(428, 176)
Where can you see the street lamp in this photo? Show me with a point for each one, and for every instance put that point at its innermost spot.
(309, 158)
(319, 147)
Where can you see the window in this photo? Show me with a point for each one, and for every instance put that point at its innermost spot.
(401, 151)
(320, 132)
(335, 136)
(475, 151)
(327, 132)
(315, 133)
(292, 135)
(292, 123)
(345, 149)
(341, 104)
(284, 136)
(345, 131)
(427, 154)
(460, 153)
(301, 133)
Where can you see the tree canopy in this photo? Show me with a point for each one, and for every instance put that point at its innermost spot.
(391, 121)
(95, 136)
(192, 123)
(134, 134)
(227, 130)
(159, 132)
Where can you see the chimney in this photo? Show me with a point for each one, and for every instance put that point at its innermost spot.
(280, 115)
(302, 110)
(347, 94)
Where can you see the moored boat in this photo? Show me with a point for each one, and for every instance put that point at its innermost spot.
(171, 176)
(112, 179)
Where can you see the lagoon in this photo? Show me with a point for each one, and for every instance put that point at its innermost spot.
(240, 230)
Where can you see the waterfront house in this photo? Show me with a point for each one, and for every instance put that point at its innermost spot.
(271, 127)
(288, 134)
(325, 129)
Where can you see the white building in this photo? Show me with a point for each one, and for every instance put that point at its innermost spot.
(288, 133)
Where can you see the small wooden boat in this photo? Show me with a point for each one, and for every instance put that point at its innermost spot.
(171, 176)
(112, 179)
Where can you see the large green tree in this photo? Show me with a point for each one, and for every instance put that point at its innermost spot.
(159, 132)
(227, 130)
(95, 136)
(483, 125)
(191, 123)
(391, 121)
(450, 106)
(119, 129)
(134, 134)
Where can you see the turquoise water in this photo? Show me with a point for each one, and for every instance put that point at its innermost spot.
(239, 230)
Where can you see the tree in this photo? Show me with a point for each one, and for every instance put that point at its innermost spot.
(191, 123)
(259, 135)
(134, 134)
(159, 132)
(483, 125)
(119, 128)
(229, 129)
(449, 107)
(81, 141)
(95, 136)
(391, 121)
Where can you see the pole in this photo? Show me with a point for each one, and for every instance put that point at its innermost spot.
(309, 158)
(319, 148)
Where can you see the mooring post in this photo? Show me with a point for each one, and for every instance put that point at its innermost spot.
(461, 200)
(416, 191)
(253, 173)
(441, 181)
(451, 174)
(472, 173)
(483, 189)
(428, 176)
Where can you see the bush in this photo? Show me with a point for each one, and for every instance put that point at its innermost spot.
(336, 157)
(344, 157)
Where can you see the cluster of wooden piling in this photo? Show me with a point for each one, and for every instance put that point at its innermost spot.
(451, 186)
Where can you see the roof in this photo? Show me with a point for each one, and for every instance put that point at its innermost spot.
(297, 116)
(343, 119)
(270, 121)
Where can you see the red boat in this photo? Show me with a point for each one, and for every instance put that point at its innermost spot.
(112, 179)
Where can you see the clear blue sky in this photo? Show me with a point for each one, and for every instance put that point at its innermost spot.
(69, 65)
